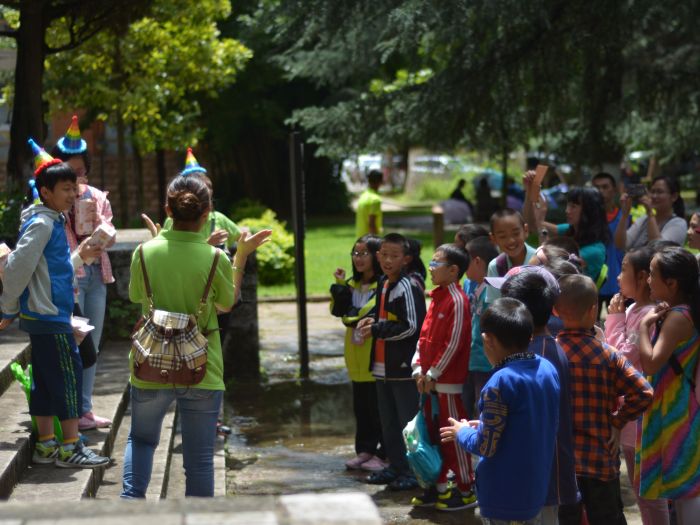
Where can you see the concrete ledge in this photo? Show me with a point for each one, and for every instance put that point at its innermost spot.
(317, 509)
(351, 508)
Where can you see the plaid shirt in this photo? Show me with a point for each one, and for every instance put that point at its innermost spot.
(599, 377)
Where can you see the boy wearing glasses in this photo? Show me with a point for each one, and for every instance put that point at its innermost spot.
(440, 367)
(394, 328)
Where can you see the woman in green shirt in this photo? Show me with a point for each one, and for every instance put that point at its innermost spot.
(178, 262)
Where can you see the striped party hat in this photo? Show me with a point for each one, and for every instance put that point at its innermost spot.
(72, 143)
(41, 158)
(191, 165)
(35, 192)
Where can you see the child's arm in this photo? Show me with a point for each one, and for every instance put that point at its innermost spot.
(637, 392)
(675, 328)
(21, 265)
(483, 440)
(459, 323)
(406, 323)
(615, 323)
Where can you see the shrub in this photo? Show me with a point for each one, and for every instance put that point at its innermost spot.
(276, 257)
(247, 209)
(10, 209)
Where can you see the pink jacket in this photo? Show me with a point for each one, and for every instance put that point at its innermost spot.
(104, 213)
(622, 332)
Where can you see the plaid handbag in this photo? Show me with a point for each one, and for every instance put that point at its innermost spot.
(168, 346)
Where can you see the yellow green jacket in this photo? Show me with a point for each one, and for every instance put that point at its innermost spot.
(356, 356)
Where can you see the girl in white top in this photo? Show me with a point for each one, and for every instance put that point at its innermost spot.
(665, 216)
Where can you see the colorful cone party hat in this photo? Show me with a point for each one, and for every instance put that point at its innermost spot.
(41, 158)
(35, 192)
(191, 165)
(71, 142)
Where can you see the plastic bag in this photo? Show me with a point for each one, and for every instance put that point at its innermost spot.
(423, 456)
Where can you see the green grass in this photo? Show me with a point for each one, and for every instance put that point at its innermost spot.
(328, 244)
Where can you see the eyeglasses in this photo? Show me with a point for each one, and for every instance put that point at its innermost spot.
(358, 254)
(437, 264)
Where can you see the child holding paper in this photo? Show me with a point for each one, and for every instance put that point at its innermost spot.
(90, 211)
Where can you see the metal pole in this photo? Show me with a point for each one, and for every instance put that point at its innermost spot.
(296, 156)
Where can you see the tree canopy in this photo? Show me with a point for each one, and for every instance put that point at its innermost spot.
(586, 79)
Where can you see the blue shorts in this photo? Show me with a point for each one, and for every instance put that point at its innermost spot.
(57, 376)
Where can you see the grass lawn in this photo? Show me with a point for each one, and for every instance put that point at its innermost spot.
(328, 244)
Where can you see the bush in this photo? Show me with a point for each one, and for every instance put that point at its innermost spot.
(247, 209)
(276, 257)
(10, 209)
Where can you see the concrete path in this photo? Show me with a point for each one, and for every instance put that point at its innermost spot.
(294, 437)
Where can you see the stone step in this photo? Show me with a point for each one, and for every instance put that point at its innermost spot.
(46, 482)
(14, 347)
(111, 486)
(299, 509)
(176, 479)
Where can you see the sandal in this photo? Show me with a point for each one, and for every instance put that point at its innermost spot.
(382, 477)
(404, 483)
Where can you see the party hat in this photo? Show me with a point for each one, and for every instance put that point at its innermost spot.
(41, 158)
(35, 192)
(71, 142)
(191, 165)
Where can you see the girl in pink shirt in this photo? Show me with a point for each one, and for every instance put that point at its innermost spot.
(622, 332)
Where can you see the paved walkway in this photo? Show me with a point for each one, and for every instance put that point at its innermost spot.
(294, 437)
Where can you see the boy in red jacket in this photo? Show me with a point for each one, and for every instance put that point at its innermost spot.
(440, 366)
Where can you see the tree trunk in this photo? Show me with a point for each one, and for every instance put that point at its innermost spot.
(138, 169)
(504, 170)
(27, 110)
(162, 175)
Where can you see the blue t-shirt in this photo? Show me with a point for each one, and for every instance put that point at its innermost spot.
(516, 436)
(593, 254)
(478, 362)
(562, 483)
(613, 258)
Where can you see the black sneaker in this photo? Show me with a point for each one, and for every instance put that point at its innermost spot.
(427, 499)
(407, 482)
(381, 477)
(453, 499)
(79, 456)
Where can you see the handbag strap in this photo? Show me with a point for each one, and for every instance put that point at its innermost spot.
(210, 279)
(202, 301)
(146, 282)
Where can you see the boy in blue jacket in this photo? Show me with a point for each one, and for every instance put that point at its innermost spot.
(39, 290)
(516, 433)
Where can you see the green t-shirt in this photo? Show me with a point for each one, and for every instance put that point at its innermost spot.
(215, 221)
(369, 203)
(178, 265)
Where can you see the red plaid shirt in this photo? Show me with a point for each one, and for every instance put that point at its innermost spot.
(599, 377)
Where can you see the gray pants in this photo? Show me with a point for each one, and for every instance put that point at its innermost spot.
(398, 404)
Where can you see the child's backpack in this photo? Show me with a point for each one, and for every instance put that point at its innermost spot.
(423, 456)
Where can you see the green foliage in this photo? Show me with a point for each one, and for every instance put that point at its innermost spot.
(10, 209)
(494, 75)
(276, 257)
(247, 208)
(120, 318)
(149, 70)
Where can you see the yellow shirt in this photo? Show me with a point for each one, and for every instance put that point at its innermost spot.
(370, 203)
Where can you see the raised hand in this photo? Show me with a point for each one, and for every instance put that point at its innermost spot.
(218, 237)
(248, 243)
(154, 228)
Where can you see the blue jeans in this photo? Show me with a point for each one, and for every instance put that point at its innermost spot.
(92, 299)
(198, 410)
